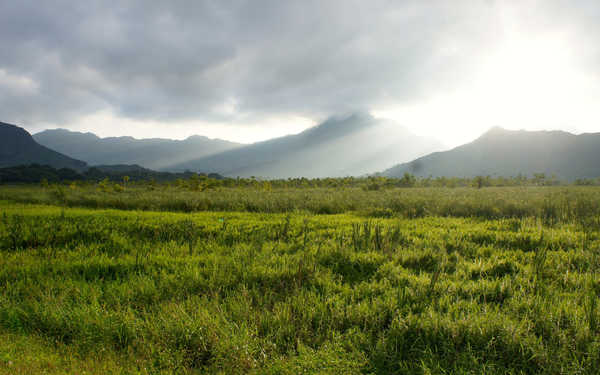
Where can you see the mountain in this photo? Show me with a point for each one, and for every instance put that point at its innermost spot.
(501, 152)
(154, 153)
(341, 146)
(17, 147)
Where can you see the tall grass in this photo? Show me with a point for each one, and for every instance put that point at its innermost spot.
(296, 292)
(552, 205)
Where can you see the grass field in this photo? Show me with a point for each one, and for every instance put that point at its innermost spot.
(289, 281)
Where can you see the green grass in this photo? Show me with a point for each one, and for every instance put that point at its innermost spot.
(368, 288)
(553, 205)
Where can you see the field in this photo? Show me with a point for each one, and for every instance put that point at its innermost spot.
(152, 280)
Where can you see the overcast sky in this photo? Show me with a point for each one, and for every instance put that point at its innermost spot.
(251, 70)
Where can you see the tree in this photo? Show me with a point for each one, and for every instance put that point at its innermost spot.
(104, 185)
(539, 178)
(479, 182)
(408, 180)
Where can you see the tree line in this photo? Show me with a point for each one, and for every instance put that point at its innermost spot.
(45, 174)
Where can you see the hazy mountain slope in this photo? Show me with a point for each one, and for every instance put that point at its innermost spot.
(17, 147)
(153, 153)
(353, 145)
(502, 152)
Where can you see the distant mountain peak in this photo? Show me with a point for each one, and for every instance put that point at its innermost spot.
(495, 131)
(353, 116)
(196, 137)
(61, 132)
(502, 152)
(343, 145)
(152, 153)
(340, 126)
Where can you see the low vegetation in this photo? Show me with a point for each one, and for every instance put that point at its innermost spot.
(269, 279)
(551, 204)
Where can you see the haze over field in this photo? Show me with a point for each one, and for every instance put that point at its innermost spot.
(251, 71)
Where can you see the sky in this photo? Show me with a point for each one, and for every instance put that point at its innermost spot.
(251, 70)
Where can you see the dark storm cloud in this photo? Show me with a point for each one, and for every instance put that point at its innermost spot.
(232, 60)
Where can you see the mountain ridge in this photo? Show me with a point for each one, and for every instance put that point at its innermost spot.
(18, 147)
(151, 153)
(355, 144)
(502, 152)
(128, 137)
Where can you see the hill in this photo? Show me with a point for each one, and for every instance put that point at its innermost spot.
(353, 145)
(17, 147)
(501, 152)
(154, 153)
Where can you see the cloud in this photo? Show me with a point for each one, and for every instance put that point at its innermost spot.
(240, 61)
(194, 59)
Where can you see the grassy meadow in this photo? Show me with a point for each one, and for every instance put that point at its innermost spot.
(323, 280)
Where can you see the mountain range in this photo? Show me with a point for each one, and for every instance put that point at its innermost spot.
(341, 146)
(17, 147)
(501, 152)
(152, 153)
(352, 145)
